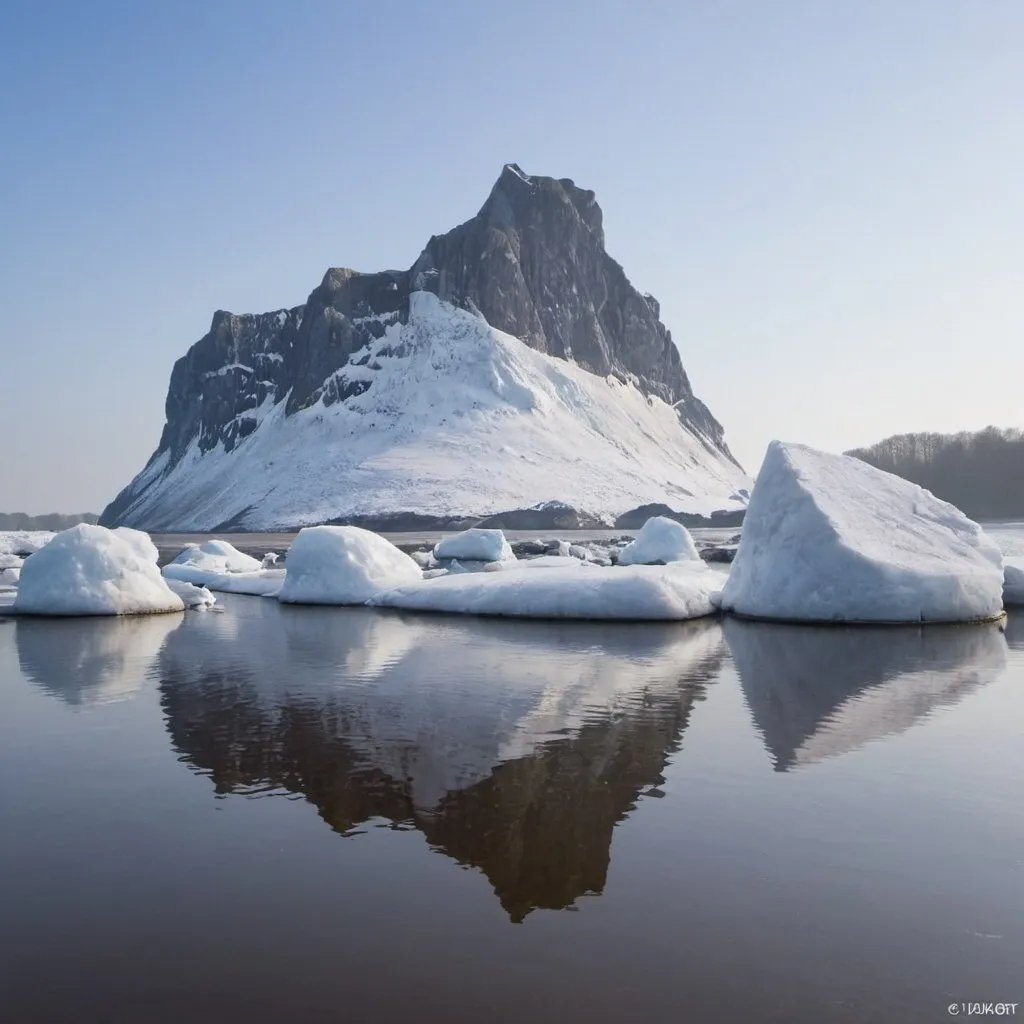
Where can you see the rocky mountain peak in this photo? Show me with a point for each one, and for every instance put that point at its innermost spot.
(532, 263)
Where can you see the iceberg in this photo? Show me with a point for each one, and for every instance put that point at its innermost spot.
(476, 545)
(660, 541)
(343, 565)
(218, 556)
(828, 538)
(651, 593)
(90, 570)
(1013, 579)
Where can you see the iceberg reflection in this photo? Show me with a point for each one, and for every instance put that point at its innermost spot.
(91, 660)
(816, 692)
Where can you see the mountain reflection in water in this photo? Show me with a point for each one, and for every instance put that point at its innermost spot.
(815, 692)
(513, 747)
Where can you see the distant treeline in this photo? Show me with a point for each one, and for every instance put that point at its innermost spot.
(50, 521)
(981, 473)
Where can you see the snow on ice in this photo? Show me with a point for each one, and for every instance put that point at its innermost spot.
(89, 570)
(679, 591)
(343, 565)
(660, 540)
(475, 545)
(828, 538)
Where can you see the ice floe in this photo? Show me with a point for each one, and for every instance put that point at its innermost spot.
(678, 591)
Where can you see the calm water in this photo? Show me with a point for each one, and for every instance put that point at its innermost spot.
(270, 813)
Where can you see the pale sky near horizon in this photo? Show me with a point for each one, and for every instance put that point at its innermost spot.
(826, 197)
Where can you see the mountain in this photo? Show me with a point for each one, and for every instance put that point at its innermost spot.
(54, 521)
(513, 369)
(981, 473)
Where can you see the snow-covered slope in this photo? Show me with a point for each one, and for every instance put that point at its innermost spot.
(444, 416)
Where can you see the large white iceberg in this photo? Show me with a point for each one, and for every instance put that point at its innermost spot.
(660, 540)
(678, 591)
(89, 570)
(476, 545)
(343, 565)
(828, 538)
(1013, 579)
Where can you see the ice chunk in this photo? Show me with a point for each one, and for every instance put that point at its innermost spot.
(678, 591)
(476, 545)
(1013, 579)
(343, 565)
(191, 595)
(660, 540)
(23, 542)
(269, 560)
(828, 538)
(10, 561)
(217, 556)
(9, 576)
(90, 570)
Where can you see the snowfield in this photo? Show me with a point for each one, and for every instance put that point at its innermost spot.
(457, 419)
(828, 538)
(651, 593)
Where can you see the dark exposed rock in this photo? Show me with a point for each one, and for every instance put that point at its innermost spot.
(636, 517)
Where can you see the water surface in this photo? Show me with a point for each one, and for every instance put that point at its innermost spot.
(269, 813)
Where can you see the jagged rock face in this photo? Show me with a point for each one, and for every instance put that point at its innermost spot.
(532, 263)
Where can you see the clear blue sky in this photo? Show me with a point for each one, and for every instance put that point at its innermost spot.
(827, 197)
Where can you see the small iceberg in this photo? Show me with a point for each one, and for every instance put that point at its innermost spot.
(90, 570)
(652, 593)
(828, 538)
(343, 565)
(218, 565)
(476, 545)
(659, 542)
